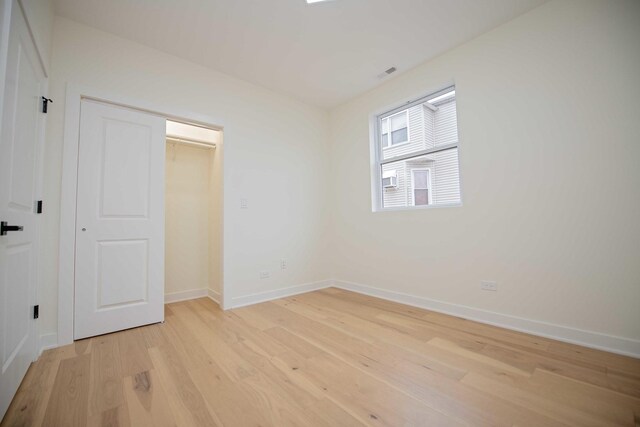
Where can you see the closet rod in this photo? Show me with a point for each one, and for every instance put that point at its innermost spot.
(191, 142)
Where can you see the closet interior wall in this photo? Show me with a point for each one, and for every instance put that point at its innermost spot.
(191, 216)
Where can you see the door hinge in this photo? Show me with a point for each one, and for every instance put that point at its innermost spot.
(45, 103)
(36, 311)
(39, 206)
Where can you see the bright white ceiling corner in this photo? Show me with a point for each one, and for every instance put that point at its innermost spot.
(324, 53)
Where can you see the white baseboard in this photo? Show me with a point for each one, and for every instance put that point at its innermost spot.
(256, 298)
(610, 343)
(214, 295)
(47, 341)
(185, 295)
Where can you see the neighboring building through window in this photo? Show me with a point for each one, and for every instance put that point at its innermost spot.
(417, 153)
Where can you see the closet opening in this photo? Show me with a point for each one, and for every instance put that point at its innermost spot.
(193, 212)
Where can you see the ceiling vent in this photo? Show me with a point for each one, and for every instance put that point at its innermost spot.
(387, 72)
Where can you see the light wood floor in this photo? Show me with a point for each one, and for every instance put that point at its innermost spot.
(326, 358)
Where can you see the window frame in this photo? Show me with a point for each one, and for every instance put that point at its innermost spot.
(429, 186)
(377, 151)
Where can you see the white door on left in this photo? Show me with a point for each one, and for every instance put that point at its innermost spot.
(20, 175)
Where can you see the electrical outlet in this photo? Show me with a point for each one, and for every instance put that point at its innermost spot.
(487, 285)
(283, 264)
(265, 274)
(244, 204)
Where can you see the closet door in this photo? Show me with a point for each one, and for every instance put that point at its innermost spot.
(119, 281)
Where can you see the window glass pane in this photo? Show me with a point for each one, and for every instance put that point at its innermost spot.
(399, 136)
(445, 180)
(384, 126)
(385, 140)
(420, 179)
(421, 197)
(399, 121)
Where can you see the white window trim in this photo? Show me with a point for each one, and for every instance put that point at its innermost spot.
(400, 144)
(376, 152)
(429, 186)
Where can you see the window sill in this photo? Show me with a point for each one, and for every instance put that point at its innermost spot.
(417, 208)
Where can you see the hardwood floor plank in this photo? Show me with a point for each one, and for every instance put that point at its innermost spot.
(303, 348)
(113, 417)
(608, 360)
(542, 404)
(222, 396)
(68, 404)
(600, 402)
(152, 336)
(133, 352)
(216, 344)
(176, 332)
(105, 385)
(370, 399)
(147, 401)
(185, 400)
(476, 357)
(271, 401)
(325, 412)
(268, 370)
(623, 383)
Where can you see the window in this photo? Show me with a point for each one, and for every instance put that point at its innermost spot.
(423, 170)
(399, 130)
(421, 186)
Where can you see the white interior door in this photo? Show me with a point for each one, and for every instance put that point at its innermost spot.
(119, 281)
(20, 173)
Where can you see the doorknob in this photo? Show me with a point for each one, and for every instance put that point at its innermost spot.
(4, 227)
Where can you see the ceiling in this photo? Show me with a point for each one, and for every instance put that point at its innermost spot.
(323, 53)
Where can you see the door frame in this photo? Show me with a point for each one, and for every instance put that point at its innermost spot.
(66, 274)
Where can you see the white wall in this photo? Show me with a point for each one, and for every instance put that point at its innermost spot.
(548, 109)
(275, 156)
(187, 203)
